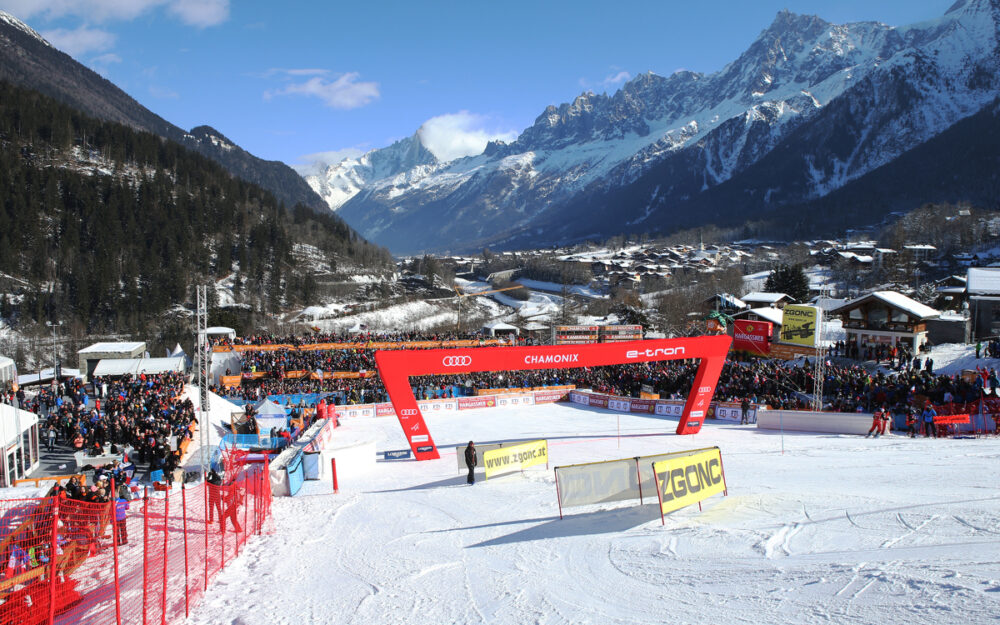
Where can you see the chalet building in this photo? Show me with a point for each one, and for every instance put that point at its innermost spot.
(769, 300)
(983, 288)
(885, 317)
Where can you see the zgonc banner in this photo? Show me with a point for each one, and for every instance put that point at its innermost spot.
(689, 477)
(799, 323)
(753, 336)
(396, 367)
(515, 457)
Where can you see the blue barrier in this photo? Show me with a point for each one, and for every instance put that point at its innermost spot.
(296, 474)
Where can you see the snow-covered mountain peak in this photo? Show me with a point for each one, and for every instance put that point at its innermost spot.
(7, 18)
(341, 181)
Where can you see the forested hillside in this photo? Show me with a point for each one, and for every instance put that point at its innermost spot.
(109, 227)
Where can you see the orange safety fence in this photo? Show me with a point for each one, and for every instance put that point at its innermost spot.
(152, 566)
(58, 479)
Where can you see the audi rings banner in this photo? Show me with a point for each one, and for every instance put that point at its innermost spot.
(396, 366)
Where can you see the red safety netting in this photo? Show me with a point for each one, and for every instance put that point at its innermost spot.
(166, 553)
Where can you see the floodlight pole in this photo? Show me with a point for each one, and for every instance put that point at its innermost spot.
(819, 366)
(202, 377)
(55, 358)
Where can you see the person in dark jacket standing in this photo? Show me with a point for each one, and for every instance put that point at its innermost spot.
(470, 461)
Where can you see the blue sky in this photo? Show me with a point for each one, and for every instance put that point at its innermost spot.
(292, 80)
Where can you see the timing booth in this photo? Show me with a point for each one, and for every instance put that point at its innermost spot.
(89, 357)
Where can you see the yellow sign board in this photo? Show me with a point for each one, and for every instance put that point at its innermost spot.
(688, 478)
(515, 457)
(799, 324)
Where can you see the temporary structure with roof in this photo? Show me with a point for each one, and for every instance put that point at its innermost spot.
(8, 370)
(499, 328)
(116, 367)
(90, 356)
(270, 415)
(886, 317)
(45, 376)
(20, 437)
(229, 333)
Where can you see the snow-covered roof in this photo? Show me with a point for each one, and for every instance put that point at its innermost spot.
(983, 281)
(764, 298)
(45, 375)
(103, 348)
(774, 315)
(135, 366)
(896, 300)
(220, 330)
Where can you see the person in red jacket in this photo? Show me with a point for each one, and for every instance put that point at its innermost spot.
(876, 423)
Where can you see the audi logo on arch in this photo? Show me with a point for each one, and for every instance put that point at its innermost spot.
(456, 361)
(705, 389)
(409, 412)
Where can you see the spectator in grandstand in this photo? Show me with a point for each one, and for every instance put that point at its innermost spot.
(470, 461)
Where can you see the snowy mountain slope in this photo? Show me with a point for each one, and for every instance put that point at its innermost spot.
(897, 86)
(341, 181)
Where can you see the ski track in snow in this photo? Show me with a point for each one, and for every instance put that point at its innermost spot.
(803, 537)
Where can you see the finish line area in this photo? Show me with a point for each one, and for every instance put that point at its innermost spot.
(409, 541)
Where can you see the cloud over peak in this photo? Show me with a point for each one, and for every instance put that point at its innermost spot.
(455, 135)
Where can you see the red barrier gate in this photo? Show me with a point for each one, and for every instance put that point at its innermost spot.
(148, 569)
(395, 367)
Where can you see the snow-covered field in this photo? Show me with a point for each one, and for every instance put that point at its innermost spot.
(838, 529)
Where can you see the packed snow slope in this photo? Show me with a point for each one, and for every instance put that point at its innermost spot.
(837, 529)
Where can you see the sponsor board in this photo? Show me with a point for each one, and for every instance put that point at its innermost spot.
(642, 405)
(361, 410)
(384, 410)
(419, 438)
(669, 408)
(423, 449)
(399, 454)
(688, 478)
(515, 457)
(731, 411)
(799, 323)
(601, 401)
(619, 404)
(515, 400)
(579, 398)
(949, 419)
(548, 397)
(753, 336)
(484, 401)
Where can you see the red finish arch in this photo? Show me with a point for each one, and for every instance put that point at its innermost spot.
(395, 367)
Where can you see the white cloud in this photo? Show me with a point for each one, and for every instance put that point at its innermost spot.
(455, 135)
(79, 41)
(343, 93)
(311, 164)
(200, 13)
(616, 79)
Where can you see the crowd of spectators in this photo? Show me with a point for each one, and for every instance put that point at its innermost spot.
(141, 416)
(848, 386)
(344, 337)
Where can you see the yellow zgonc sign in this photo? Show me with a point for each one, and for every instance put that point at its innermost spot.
(515, 457)
(689, 477)
(799, 324)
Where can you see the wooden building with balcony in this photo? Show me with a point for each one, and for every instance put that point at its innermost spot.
(886, 318)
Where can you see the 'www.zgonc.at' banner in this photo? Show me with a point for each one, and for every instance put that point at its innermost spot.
(515, 457)
(689, 477)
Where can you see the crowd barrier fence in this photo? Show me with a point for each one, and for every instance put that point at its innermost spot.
(67, 561)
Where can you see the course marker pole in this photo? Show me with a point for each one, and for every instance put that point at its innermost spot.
(333, 468)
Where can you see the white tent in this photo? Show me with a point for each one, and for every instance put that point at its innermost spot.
(221, 331)
(134, 366)
(178, 351)
(270, 415)
(8, 370)
(501, 328)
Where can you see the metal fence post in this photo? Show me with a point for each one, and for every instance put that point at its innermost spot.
(53, 557)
